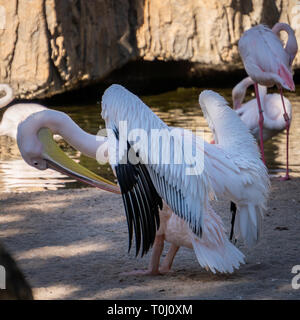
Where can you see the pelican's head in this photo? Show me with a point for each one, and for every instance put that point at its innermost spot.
(30, 146)
(39, 150)
(214, 108)
(212, 105)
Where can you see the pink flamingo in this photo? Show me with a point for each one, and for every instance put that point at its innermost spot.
(274, 121)
(269, 64)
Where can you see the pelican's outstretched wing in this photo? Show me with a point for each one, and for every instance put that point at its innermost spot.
(234, 165)
(141, 201)
(184, 185)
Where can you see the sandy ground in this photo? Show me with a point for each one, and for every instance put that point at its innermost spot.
(72, 244)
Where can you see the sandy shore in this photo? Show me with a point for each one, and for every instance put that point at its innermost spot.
(72, 244)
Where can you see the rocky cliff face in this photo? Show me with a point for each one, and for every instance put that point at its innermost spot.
(50, 46)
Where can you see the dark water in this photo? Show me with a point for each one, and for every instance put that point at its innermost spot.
(177, 108)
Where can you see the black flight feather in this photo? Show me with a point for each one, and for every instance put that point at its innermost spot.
(141, 201)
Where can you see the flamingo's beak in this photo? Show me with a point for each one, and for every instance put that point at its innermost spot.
(56, 159)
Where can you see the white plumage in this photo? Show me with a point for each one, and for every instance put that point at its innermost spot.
(235, 169)
(232, 168)
(191, 192)
(14, 115)
(213, 250)
(8, 96)
(274, 122)
(269, 63)
(265, 59)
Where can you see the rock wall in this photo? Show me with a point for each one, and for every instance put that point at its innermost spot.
(50, 46)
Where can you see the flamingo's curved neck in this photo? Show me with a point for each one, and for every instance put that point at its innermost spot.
(247, 82)
(239, 92)
(291, 47)
(9, 95)
(62, 124)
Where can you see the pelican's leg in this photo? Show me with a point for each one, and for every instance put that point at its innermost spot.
(233, 212)
(153, 268)
(157, 250)
(287, 126)
(168, 261)
(261, 123)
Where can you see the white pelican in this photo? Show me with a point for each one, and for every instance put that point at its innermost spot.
(16, 170)
(271, 104)
(16, 113)
(8, 96)
(232, 168)
(268, 63)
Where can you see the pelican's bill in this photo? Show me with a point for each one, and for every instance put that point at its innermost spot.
(56, 159)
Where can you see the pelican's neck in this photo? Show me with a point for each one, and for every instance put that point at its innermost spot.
(231, 132)
(61, 124)
(228, 128)
(291, 47)
(9, 95)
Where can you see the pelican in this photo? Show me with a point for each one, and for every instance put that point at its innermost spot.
(8, 95)
(268, 63)
(232, 168)
(16, 113)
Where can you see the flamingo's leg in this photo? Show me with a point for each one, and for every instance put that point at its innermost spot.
(261, 123)
(168, 260)
(153, 268)
(287, 126)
